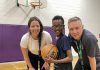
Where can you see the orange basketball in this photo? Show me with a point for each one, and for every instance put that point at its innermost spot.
(49, 50)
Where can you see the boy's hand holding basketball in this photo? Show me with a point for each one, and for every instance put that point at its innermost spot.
(48, 51)
(49, 60)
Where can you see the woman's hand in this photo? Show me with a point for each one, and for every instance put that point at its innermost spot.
(31, 68)
(46, 66)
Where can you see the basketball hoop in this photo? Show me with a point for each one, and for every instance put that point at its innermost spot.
(36, 4)
(33, 3)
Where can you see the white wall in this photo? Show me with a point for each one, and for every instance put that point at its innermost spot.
(87, 10)
(11, 14)
(90, 15)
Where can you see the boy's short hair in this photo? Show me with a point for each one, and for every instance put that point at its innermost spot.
(57, 17)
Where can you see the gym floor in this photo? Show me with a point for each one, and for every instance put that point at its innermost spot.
(20, 65)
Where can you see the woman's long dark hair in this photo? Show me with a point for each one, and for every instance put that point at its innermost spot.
(41, 29)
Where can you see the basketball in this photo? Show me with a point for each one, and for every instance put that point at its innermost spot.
(49, 50)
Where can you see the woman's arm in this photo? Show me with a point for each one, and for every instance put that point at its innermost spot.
(26, 58)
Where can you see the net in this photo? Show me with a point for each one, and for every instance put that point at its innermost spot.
(33, 3)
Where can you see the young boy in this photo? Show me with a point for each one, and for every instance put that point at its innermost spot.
(64, 59)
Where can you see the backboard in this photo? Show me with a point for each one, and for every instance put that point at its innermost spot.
(33, 3)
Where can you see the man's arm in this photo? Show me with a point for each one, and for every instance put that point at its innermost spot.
(92, 62)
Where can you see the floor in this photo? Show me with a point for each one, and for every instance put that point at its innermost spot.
(20, 65)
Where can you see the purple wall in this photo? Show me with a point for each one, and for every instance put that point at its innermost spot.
(10, 36)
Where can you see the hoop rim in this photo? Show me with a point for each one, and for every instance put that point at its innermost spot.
(34, 4)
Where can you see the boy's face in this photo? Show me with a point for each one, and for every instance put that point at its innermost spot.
(58, 27)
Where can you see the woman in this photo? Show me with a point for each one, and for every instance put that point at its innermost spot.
(32, 42)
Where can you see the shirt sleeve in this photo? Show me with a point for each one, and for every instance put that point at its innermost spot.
(91, 46)
(24, 41)
(66, 44)
(48, 38)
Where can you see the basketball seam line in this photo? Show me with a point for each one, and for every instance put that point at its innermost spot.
(49, 51)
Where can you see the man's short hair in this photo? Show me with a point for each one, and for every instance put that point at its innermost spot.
(74, 19)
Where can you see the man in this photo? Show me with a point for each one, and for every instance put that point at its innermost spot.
(85, 44)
